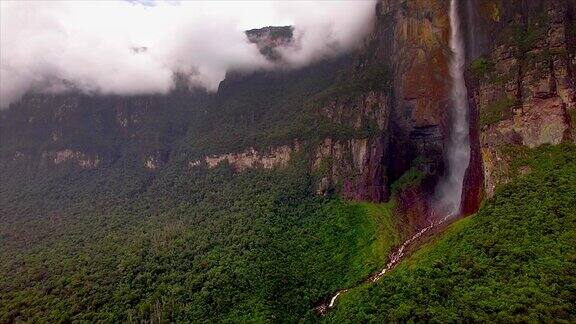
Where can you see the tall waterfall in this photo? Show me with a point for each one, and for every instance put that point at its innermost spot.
(449, 190)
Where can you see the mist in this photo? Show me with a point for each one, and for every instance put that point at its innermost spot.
(129, 48)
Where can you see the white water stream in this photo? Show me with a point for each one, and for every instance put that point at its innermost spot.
(394, 258)
(449, 190)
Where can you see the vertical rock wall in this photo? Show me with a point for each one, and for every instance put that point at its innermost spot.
(356, 167)
(523, 85)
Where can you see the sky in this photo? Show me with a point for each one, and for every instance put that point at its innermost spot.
(93, 46)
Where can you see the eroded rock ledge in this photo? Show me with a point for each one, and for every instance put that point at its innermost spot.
(80, 159)
(250, 158)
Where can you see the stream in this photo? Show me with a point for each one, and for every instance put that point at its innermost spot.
(393, 259)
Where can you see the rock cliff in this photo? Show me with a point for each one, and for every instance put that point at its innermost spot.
(362, 121)
(522, 84)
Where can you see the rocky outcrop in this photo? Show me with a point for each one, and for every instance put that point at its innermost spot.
(354, 168)
(80, 159)
(524, 85)
(156, 160)
(269, 39)
(250, 158)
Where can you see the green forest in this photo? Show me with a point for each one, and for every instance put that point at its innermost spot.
(121, 243)
(259, 246)
(255, 246)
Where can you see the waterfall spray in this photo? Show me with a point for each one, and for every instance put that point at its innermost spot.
(449, 190)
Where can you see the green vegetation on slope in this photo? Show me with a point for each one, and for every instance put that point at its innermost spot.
(514, 261)
(121, 242)
(497, 111)
(410, 178)
(482, 67)
(263, 110)
(193, 245)
(377, 238)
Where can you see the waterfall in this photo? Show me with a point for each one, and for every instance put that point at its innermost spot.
(449, 189)
(472, 43)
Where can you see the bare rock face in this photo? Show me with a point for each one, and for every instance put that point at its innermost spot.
(250, 158)
(524, 86)
(412, 37)
(473, 188)
(408, 122)
(80, 159)
(353, 167)
(360, 111)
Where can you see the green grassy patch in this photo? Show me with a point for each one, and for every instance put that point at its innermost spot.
(497, 111)
(482, 67)
(410, 178)
(379, 236)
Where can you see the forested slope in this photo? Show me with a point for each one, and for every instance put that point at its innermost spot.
(104, 219)
(208, 246)
(514, 261)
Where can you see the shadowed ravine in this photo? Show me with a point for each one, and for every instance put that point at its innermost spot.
(448, 195)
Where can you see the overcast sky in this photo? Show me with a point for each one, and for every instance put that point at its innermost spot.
(48, 45)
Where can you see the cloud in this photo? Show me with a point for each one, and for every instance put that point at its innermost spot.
(134, 48)
(325, 28)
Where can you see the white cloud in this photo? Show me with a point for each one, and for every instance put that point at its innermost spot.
(46, 45)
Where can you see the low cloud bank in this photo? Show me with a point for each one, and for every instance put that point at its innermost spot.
(130, 48)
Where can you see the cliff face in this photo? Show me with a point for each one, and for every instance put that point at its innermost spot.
(361, 121)
(411, 41)
(407, 117)
(355, 167)
(523, 84)
(396, 108)
(412, 38)
(250, 159)
(86, 132)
